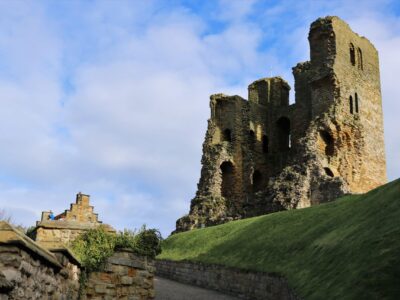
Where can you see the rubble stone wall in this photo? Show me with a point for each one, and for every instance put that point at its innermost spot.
(25, 275)
(29, 271)
(239, 283)
(263, 154)
(126, 276)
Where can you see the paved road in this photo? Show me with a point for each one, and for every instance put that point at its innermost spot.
(171, 290)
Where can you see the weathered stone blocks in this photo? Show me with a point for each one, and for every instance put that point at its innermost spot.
(265, 155)
(239, 283)
(126, 276)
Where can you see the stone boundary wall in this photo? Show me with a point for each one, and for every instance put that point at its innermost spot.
(29, 271)
(26, 275)
(126, 276)
(236, 282)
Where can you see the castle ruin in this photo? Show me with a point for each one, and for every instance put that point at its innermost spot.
(263, 154)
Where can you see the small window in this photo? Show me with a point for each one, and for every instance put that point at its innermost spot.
(284, 136)
(228, 179)
(329, 172)
(257, 181)
(329, 143)
(227, 135)
(360, 59)
(356, 102)
(265, 144)
(252, 137)
(352, 55)
(351, 104)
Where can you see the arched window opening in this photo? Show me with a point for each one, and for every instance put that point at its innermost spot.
(228, 183)
(329, 172)
(227, 135)
(257, 181)
(283, 126)
(265, 144)
(329, 143)
(352, 55)
(360, 59)
(356, 102)
(351, 104)
(252, 137)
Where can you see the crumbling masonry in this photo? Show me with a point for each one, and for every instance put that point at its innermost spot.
(264, 155)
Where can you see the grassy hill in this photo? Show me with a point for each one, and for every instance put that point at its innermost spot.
(347, 249)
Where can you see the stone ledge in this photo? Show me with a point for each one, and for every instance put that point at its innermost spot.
(72, 225)
(10, 236)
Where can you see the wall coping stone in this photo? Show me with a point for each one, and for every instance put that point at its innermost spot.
(11, 236)
(71, 225)
(68, 253)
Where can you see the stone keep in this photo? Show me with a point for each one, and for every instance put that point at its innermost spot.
(263, 154)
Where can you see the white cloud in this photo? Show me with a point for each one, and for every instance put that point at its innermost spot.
(129, 125)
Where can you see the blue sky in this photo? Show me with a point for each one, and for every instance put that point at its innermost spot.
(111, 98)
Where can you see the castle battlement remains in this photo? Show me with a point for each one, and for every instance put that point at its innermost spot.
(263, 154)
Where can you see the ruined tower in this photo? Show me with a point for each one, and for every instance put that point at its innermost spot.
(263, 155)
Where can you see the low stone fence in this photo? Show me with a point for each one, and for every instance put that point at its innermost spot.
(126, 276)
(236, 282)
(28, 271)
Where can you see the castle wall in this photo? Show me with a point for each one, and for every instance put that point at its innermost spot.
(361, 81)
(346, 104)
(280, 156)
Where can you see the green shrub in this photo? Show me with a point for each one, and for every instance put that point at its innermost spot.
(93, 247)
(148, 242)
(125, 239)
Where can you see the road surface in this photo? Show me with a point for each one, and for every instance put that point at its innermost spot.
(171, 290)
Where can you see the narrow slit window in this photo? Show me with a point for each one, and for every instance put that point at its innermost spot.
(351, 104)
(265, 144)
(352, 55)
(360, 59)
(356, 103)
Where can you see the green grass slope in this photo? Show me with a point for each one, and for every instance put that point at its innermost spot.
(347, 249)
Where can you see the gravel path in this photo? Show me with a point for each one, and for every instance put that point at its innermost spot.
(171, 290)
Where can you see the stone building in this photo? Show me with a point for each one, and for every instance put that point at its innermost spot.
(68, 225)
(263, 154)
(45, 268)
(29, 271)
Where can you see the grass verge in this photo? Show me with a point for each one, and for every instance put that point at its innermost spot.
(346, 249)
